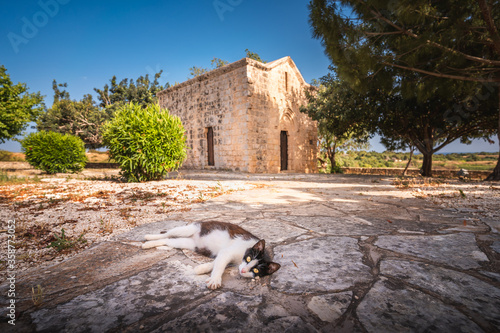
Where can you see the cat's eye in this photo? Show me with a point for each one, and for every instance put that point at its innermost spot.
(249, 259)
(256, 271)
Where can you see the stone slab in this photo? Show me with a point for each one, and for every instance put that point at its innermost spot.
(319, 265)
(449, 284)
(232, 312)
(124, 302)
(494, 224)
(330, 307)
(336, 225)
(459, 250)
(496, 246)
(391, 308)
(272, 230)
(90, 270)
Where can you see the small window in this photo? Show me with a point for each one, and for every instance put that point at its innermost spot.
(286, 81)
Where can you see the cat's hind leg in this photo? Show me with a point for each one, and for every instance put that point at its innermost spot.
(154, 237)
(184, 231)
(178, 243)
(204, 268)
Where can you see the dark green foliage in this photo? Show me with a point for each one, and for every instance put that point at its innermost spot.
(17, 106)
(81, 118)
(339, 111)
(146, 142)
(433, 63)
(54, 152)
(141, 91)
(85, 118)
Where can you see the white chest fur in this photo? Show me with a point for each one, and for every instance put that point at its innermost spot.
(219, 243)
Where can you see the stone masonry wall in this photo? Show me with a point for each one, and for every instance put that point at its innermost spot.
(247, 104)
(276, 97)
(217, 99)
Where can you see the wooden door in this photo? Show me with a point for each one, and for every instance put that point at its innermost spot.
(284, 150)
(210, 144)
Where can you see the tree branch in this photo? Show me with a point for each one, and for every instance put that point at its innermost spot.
(490, 24)
(378, 15)
(383, 33)
(446, 76)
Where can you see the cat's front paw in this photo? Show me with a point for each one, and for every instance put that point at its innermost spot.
(214, 283)
(204, 268)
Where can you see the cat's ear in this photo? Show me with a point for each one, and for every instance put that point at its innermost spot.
(272, 267)
(260, 245)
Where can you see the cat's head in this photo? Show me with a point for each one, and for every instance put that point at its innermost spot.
(255, 263)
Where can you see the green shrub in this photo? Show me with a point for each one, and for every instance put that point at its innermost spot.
(146, 142)
(54, 152)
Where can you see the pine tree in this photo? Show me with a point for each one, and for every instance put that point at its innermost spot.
(424, 49)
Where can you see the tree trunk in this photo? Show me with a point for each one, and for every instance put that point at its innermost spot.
(427, 164)
(495, 175)
(409, 161)
(333, 163)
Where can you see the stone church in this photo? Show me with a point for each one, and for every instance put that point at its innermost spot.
(245, 117)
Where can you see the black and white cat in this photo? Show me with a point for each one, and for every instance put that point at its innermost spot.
(227, 242)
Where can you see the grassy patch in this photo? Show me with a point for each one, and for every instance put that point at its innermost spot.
(62, 243)
(5, 179)
(7, 156)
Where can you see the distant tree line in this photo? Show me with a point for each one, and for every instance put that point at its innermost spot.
(83, 118)
(371, 159)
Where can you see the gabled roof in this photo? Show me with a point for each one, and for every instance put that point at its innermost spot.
(237, 64)
(287, 59)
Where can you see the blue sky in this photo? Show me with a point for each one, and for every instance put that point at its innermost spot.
(85, 43)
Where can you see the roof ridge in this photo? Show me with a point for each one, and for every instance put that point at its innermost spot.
(234, 65)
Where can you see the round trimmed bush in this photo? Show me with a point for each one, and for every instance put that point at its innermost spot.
(146, 142)
(54, 152)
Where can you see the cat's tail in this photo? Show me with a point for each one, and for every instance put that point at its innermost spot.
(184, 232)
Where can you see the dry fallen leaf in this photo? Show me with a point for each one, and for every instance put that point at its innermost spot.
(389, 221)
(295, 264)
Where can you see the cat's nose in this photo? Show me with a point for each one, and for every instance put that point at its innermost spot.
(243, 270)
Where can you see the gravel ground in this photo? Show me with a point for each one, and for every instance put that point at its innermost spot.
(89, 212)
(481, 199)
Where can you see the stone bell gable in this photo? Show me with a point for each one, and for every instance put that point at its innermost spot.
(245, 116)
